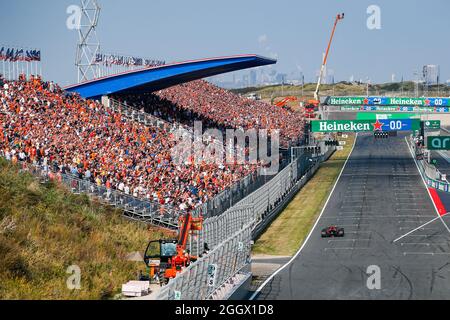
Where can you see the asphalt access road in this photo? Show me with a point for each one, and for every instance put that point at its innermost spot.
(379, 197)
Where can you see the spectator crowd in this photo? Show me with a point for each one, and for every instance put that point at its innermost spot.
(219, 108)
(43, 125)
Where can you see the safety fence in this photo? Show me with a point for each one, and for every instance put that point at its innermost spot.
(201, 279)
(255, 207)
(269, 216)
(141, 209)
(133, 207)
(230, 234)
(432, 176)
(223, 200)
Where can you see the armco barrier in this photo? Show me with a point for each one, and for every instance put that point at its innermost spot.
(269, 217)
(429, 172)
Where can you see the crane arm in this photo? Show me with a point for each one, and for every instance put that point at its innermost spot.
(322, 68)
(283, 102)
(186, 222)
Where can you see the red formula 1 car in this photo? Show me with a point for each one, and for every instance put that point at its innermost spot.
(332, 231)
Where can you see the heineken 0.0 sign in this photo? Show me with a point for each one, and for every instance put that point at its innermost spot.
(340, 125)
(438, 143)
(364, 125)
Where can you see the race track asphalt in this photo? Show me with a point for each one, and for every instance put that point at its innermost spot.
(378, 198)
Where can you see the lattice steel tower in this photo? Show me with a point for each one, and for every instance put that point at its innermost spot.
(88, 44)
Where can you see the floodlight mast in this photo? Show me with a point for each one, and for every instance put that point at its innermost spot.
(325, 58)
(88, 44)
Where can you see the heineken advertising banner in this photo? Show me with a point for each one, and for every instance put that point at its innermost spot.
(374, 116)
(395, 108)
(364, 125)
(388, 101)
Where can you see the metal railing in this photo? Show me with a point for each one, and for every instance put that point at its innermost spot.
(432, 176)
(201, 279)
(230, 234)
(133, 207)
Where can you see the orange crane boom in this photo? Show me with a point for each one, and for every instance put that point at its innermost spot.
(173, 256)
(325, 58)
(283, 102)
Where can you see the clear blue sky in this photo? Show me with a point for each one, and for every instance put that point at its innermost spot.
(413, 33)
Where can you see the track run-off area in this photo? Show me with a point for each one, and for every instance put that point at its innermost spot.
(391, 224)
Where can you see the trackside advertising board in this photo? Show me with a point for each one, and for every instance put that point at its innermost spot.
(388, 101)
(438, 143)
(364, 125)
(395, 108)
(374, 116)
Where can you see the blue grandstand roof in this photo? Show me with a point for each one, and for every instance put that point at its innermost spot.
(161, 77)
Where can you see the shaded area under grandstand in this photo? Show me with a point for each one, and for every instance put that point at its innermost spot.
(161, 77)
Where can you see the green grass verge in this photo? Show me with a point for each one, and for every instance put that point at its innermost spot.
(287, 232)
(44, 229)
(338, 89)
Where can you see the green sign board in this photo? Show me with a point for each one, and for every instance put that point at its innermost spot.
(374, 115)
(399, 109)
(407, 101)
(438, 143)
(364, 125)
(432, 124)
(339, 101)
(341, 125)
(388, 101)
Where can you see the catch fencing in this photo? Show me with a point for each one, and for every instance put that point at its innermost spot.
(140, 209)
(201, 279)
(230, 236)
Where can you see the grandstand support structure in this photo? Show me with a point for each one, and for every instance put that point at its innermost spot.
(88, 43)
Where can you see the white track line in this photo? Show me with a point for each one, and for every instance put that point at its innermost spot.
(425, 184)
(419, 227)
(310, 232)
(426, 253)
(408, 233)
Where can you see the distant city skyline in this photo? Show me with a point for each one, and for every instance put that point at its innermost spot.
(430, 75)
(175, 30)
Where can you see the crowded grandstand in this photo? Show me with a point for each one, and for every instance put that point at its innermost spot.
(61, 132)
